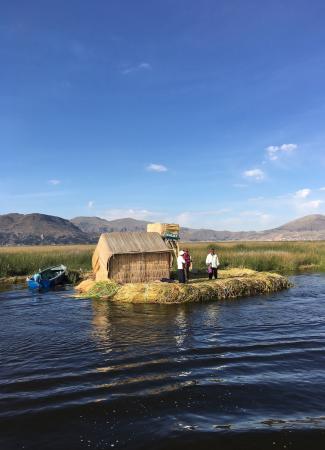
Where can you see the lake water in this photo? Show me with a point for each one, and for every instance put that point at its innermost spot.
(241, 374)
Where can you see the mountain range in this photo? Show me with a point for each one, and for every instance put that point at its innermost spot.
(35, 229)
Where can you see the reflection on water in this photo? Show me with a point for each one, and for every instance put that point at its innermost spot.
(94, 374)
(181, 328)
(101, 324)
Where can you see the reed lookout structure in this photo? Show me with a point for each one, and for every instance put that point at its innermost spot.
(132, 257)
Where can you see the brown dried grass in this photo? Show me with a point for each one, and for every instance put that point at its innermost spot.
(232, 283)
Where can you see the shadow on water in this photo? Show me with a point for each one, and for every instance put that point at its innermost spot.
(94, 374)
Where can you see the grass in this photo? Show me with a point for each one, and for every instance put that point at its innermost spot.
(15, 261)
(103, 289)
(283, 257)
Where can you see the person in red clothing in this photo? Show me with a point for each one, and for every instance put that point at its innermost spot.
(188, 262)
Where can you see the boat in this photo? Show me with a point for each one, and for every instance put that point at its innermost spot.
(48, 278)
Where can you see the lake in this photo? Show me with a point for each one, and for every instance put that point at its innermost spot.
(239, 374)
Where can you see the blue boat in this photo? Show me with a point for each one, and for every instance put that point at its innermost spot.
(48, 278)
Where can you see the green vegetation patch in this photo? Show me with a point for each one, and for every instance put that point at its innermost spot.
(102, 289)
(15, 261)
(283, 257)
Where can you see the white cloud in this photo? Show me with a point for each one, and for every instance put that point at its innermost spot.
(157, 168)
(288, 147)
(299, 203)
(256, 174)
(185, 219)
(256, 199)
(313, 204)
(244, 221)
(309, 207)
(274, 151)
(145, 66)
(199, 218)
(302, 193)
(322, 189)
(138, 67)
(90, 203)
(54, 182)
(196, 219)
(139, 214)
(261, 215)
(34, 195)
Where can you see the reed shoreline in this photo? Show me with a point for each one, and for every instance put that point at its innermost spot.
(234, 282)
(282, 257)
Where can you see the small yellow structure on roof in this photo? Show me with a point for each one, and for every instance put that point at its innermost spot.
(169, 232)
(166, 230)
(131, 257)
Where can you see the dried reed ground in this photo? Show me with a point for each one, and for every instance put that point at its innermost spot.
(232, 283)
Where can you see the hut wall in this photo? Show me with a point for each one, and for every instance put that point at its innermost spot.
(139, 267)
(99, 260)
(101, 274)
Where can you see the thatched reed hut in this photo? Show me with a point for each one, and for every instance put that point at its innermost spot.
(131, 257)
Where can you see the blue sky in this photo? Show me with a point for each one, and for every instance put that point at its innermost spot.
(207, 113)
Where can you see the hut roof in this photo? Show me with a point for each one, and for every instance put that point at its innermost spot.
(134, 242)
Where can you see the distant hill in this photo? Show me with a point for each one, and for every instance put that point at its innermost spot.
(33, 229)
(96, 225)
(306, 228)
(314, 222)
(309, 228)
(202, 234)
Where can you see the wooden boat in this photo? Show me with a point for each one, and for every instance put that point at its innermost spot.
(48, 278)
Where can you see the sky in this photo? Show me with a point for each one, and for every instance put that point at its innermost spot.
(209, 114)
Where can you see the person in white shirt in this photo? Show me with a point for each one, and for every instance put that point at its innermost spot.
(212, 262)
(181, 267)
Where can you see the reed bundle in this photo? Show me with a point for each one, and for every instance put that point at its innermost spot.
(232, 283)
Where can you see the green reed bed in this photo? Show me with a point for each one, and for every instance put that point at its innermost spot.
(281, 257)
(263, 256)
(15, 261)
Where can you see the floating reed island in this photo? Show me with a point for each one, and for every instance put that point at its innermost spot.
(127, 268)
(232, 283)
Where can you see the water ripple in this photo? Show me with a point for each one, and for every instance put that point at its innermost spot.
(127, 375)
